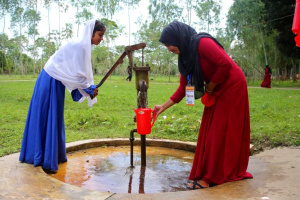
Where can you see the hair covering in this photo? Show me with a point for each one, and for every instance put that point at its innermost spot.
(71, 64)
(187, 40)
(269, 69)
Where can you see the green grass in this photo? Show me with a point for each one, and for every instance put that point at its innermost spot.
(274, 113)
(276, 83)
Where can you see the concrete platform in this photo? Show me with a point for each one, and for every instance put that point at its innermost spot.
(276, 176)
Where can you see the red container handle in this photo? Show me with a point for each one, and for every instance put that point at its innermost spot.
(154, 117)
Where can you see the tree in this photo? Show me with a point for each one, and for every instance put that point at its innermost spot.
(83, 12)
(67, 31)
(13, 53)
(6, 64)
(4, 7)
(130, 4)
(5, 61)
(62, 6)
(189, 9)
(244, 21)
(161, 13)
(32, 18)
(280, 18)
(208, 12)
(42, 46)
(99, 59)
(112, 31)
(17, 22)
(108, 7)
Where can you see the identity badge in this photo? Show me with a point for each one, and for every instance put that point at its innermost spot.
(190, 95)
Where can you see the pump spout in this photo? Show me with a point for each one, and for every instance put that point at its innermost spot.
(131, 146)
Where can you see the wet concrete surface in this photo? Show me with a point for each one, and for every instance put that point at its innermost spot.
(276, 176)
(108, 169)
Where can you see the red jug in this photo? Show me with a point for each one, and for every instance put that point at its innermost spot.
(296, 22)
(297, 40)
(143, 120)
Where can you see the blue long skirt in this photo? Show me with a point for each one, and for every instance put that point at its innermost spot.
(44, 134)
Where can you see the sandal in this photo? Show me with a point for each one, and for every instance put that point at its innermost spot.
(196, 186)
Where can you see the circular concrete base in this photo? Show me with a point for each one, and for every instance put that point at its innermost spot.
(275, 174)
(174, 144)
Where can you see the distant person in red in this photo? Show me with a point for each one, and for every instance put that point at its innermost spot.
(223, 146)
(267, 79)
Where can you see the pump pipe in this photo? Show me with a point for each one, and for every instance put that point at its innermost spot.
(131, 146)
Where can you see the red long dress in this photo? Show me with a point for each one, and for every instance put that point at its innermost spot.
(222, 151)
(267, 79)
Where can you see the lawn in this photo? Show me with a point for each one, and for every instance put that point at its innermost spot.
(274, 113)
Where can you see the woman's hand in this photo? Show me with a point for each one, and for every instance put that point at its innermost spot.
(208, 99)
(210, 87)
(95, 93)
(92, 91)
(158, 109)
(161, 108)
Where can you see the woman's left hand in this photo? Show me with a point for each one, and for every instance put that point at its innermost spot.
(208, 99)
(209, 88)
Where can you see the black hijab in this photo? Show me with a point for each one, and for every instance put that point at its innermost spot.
(187, 40)
(269, 69)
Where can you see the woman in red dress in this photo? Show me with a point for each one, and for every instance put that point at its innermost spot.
(223, 145)
(267, 79)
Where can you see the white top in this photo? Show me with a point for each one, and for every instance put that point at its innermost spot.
(71, 64)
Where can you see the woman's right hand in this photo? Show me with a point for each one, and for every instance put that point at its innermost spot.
(161, 108)
(95, 92)
(158, 109)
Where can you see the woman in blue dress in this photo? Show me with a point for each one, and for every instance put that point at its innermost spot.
(70, 67)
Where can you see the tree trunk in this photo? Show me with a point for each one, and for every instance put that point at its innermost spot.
(8, 67)
(284, 72)
(49, 32)
(59, 38)
(128, 26)
(34, 46)
(3, 44)
(78, 23)
(2, 63)
(294, 71)
(275, 64)
(263, 44)
(169, 71)
(298, 72)
(189, 11)
(20, 43)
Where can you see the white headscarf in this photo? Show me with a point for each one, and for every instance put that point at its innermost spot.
(71, 64)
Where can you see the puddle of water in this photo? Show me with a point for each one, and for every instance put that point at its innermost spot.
(108, 169)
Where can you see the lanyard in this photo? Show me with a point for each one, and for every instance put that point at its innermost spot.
(189, 79)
